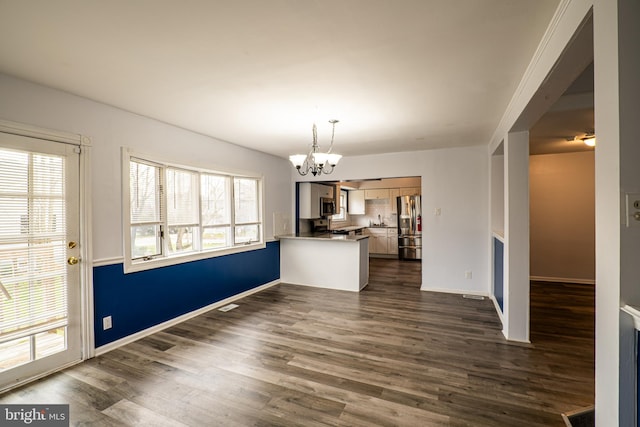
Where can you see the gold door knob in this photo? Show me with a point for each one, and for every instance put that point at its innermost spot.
(73, 260)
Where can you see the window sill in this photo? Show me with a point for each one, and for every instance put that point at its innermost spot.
(135, 266)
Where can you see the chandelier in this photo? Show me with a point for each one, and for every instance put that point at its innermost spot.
(315, 161)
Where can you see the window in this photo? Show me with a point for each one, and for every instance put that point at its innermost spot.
(178, 214)
(342, 216)
(215, 194)
(183, 217)
(145, 210)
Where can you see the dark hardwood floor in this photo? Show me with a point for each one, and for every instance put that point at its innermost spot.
(299, 356)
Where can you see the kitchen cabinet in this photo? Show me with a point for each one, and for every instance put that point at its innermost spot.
(378, 243)
(392, 241)
(410, 191)
(394, 193)
(356, 204)
(383, 241)
(309, 195)
(376, 193)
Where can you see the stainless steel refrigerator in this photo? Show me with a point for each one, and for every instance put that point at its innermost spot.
(409, 227)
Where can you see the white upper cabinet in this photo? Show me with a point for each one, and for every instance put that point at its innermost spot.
(309, 198)
(410, 191)
(356, 202)
(394, 193)
(376, 193)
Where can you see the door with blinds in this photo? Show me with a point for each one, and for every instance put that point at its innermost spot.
(40, 309)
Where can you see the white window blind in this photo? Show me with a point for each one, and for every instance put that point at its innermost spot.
(33, 291)
(145, 193)
(144, 182)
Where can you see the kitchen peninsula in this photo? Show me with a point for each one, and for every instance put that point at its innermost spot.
(325, 260)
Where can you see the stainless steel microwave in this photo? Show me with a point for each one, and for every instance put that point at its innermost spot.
(327, 207)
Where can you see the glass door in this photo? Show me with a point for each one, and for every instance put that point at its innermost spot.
(39, 258)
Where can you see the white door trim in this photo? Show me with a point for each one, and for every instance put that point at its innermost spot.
(86, 252)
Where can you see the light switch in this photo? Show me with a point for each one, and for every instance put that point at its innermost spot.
(437, 212)
(632, 209)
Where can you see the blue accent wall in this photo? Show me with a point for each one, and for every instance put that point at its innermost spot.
(498, 272)
(137, 301)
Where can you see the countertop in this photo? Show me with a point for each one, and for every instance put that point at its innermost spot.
(362, 227)
(324, 237)
(349, 228)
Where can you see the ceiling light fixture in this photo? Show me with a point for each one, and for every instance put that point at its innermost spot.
(315, 161)
(589, 139)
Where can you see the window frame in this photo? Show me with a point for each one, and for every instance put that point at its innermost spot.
(343, 216)
(165, 258)
(159, 243)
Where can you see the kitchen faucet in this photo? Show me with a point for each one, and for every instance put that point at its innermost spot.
(379, 220)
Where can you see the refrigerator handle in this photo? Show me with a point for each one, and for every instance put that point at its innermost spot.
(412, 205)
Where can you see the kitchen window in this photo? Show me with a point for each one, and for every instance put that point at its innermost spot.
(176, 213)
(342, 216)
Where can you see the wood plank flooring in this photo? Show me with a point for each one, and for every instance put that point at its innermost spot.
(299, 356)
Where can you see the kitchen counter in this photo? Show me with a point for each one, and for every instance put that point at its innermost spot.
(349, 228)
(325, 260)
(324, 236)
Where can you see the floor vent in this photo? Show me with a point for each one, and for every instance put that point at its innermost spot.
(228, 307)
(478, 297)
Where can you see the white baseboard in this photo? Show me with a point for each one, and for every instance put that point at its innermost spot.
(497, 306)
(164, 325)
(455, 291)
(563, 280)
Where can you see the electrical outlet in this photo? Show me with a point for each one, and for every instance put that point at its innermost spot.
(437, 211)
(468, 275)
(106, 323)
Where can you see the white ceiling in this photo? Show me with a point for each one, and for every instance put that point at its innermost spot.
(400, 75)
(569, 119)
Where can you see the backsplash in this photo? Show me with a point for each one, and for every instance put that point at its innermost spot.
(373, 208)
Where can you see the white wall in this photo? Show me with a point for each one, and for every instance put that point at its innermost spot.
(110, 128)
(562, 206)
(617, 89)
(497, 194)
(456, 181)
(516, 236)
